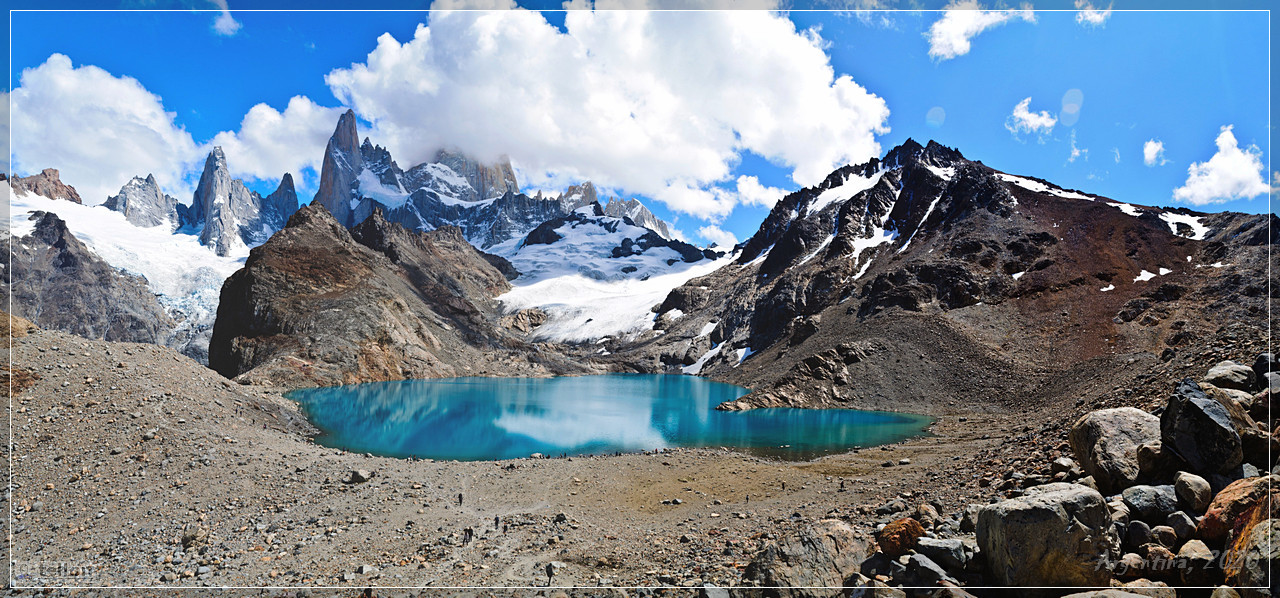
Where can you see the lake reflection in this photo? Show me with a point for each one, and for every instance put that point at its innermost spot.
(502, 418)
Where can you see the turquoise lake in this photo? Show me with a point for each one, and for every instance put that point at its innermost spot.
(470, 419)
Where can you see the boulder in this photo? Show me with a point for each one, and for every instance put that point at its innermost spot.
(1105, 443)
(1182, 524)
(1229, 374)
(922, 571)
(899, 536)
(1138, 534)
(1200, 431)
(1250, 562)
(813, 562)
(1152, 504)
(876, 589)
(1057, 534)
(1198, 565)
(1155, 464)
(1264, 363)
(1230, 505)
(949, 553)
(1193, 490)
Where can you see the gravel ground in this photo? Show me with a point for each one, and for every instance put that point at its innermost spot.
(134, 465)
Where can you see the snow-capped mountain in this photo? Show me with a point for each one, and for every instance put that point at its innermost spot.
(144, 204)
(228, 216)
(183, 253)
(596, 275)
(484, 200)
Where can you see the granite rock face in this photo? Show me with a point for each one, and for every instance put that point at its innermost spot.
(453, 189)
(228, 216)
(58, 283)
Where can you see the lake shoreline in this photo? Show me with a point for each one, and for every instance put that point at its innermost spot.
(163, 446)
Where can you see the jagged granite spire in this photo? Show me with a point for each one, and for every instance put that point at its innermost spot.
(280, 205)
(340, 169)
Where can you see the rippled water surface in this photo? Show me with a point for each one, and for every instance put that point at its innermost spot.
(501, 418)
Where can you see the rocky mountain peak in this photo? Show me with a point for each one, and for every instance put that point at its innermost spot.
(46, 184)
(345, 137)
(229, 216)
(144, 204)
(489, 180)
(56, 281)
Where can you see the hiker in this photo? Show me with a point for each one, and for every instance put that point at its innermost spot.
(459, 499)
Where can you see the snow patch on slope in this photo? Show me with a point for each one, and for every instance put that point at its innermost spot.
(584, 290)
(851, 186)
(186, 275)
(1039, 187)
(1198, 230)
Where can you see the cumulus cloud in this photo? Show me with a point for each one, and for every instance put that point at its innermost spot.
(660, 104)
(225, 24)
(1153, 153)
(722, 238)
(1090, 16)
(271, 143)
(1023, 120)
(4, 134)
(963, 20)
(1232, 173)
(751, 192)
(99, 130)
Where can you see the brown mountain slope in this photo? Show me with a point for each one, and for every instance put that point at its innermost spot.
(318, 305)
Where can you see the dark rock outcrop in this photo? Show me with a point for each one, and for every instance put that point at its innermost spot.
(1200, 431)
(55, 281)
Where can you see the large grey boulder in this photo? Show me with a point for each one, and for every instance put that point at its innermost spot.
(1152, 504)
(1054, 535)
(1200, 431)
(811, 563)
(1229, 374)
(1105, 443)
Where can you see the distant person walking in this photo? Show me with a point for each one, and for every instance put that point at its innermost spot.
(459, 499)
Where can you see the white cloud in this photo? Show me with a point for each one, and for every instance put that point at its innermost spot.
(751, 192)
(99, 130)
(225, 24)
(722, 238)
(660, 104)
(4, 134)
(1232, 173)
(270, 143)
(963, 20)
(1090, 16)
(1023, 120)
(1115, 151)
(1076, 152)
(1153, 153)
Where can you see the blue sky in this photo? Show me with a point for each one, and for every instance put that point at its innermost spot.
(1134, 78)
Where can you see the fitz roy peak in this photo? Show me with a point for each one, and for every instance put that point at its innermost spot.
(228, 216)
(484, 200)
